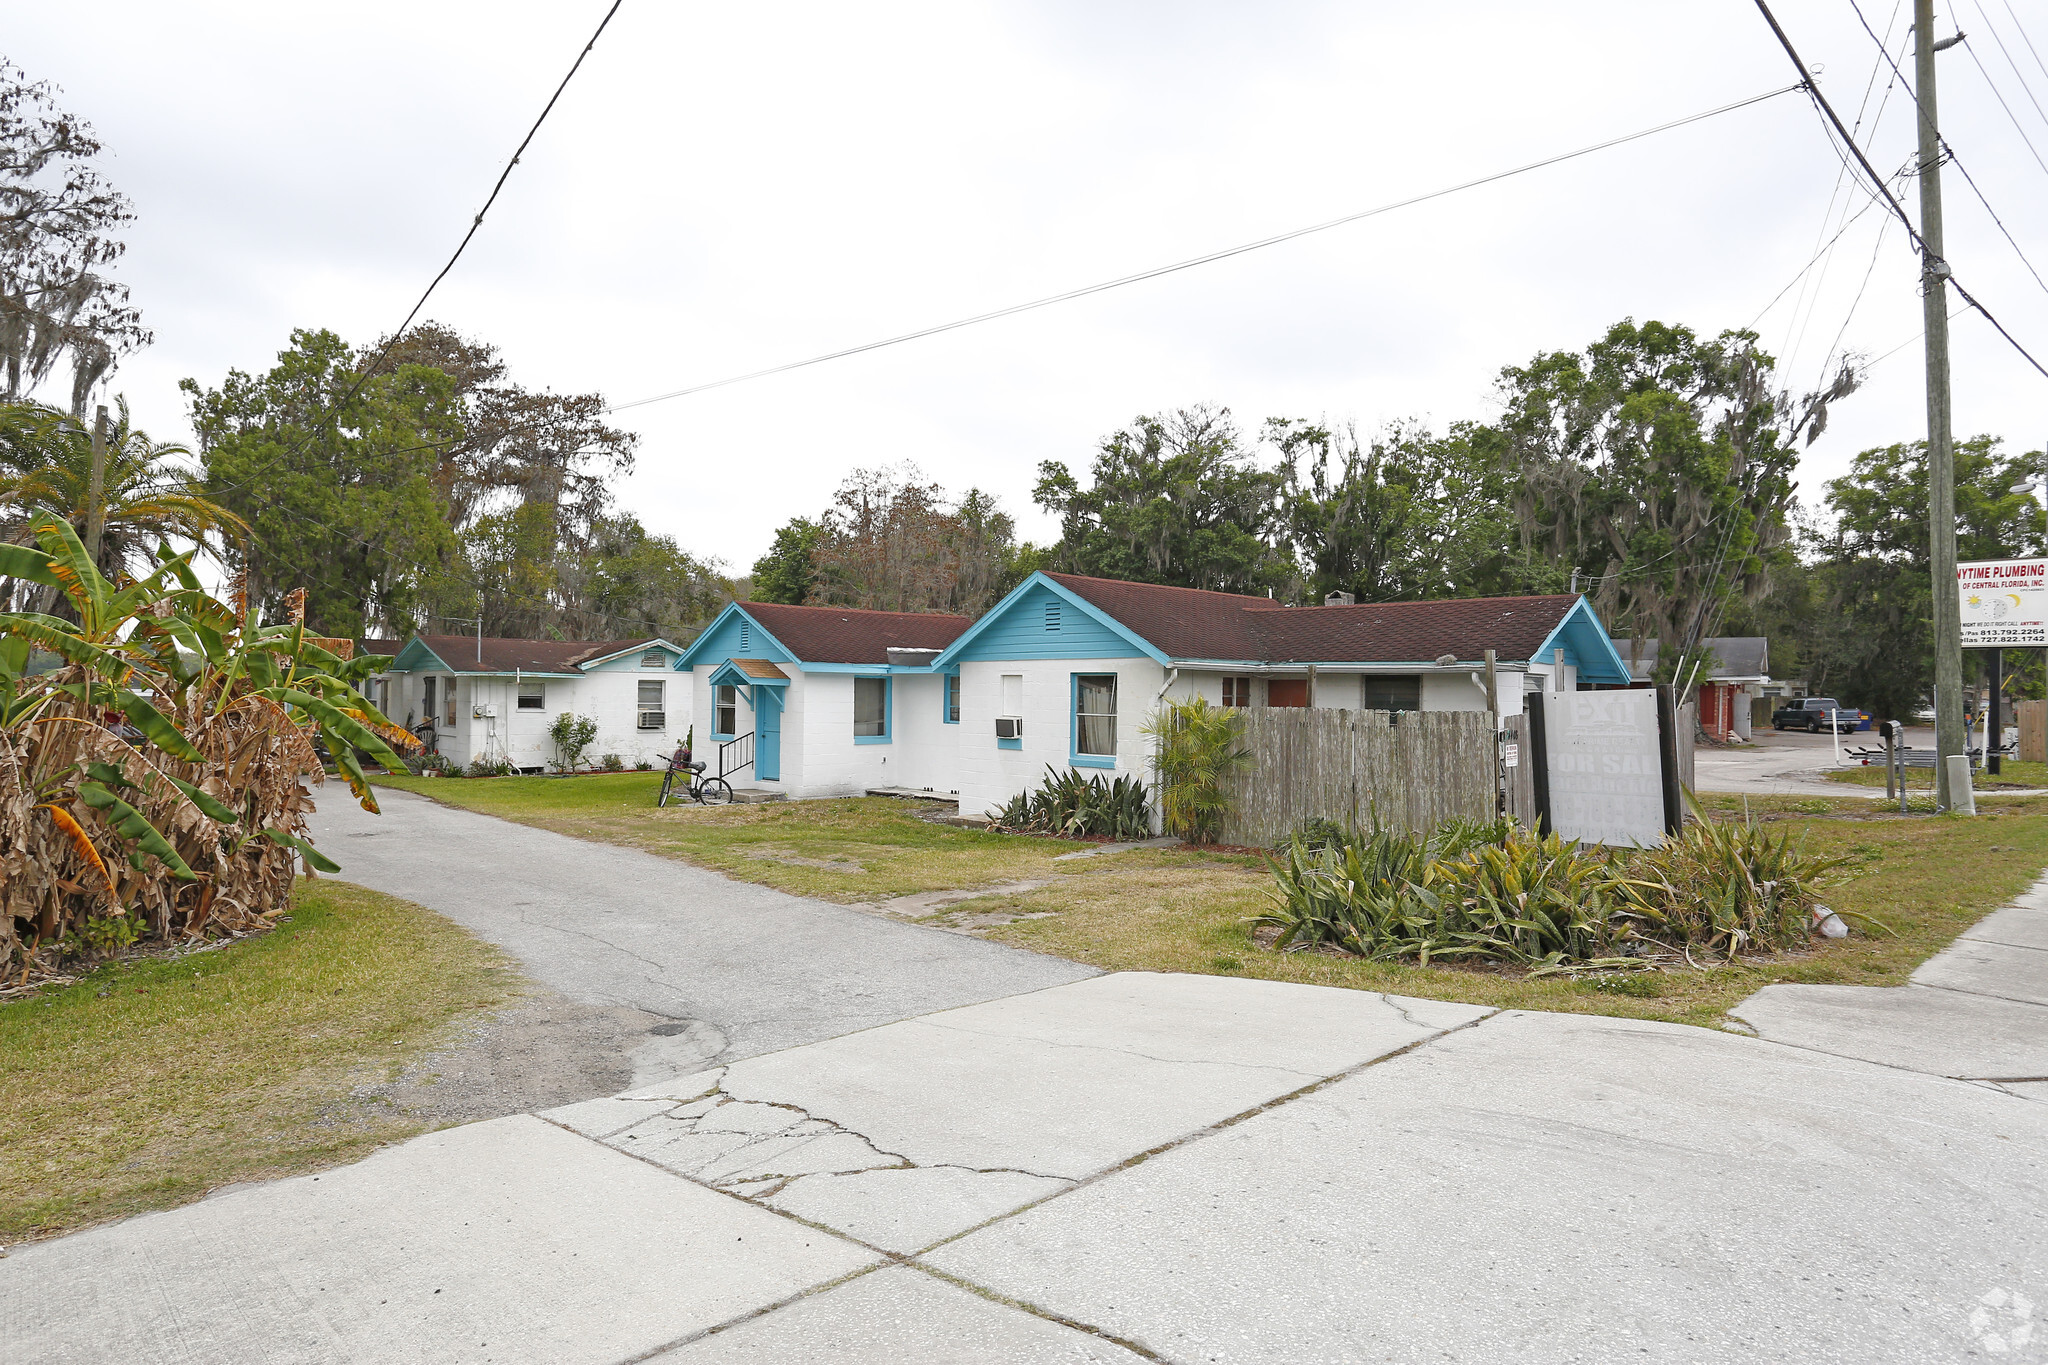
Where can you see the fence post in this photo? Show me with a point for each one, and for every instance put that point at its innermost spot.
(1667, 758)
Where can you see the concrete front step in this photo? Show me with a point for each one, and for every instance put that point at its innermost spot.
(754, 796)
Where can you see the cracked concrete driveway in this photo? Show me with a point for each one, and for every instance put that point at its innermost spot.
(1150, 1167)
(737, 969)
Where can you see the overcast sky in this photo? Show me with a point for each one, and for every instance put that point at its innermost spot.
(728, 187)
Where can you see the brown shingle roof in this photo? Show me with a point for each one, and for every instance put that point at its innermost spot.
(500, 655)
(759, 668)
(848, 635)
(1190, 623)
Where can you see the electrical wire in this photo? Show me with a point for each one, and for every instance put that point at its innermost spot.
(1999, 95)
(476, 223)
(1795, 327)
(1919, 243)
(1193, 261)
(2022, 29)
(2017, 74)
(1950, 152)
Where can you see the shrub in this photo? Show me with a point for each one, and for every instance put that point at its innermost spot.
(573, 735)
(1195, 753)
(1074, 803)
(612, 763)
(1498, 892)
(642, 766)
(481, 766)
(416, 764)
(1726, 888)
(170, 744)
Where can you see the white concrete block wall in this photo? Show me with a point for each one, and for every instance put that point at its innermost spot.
(990, 775)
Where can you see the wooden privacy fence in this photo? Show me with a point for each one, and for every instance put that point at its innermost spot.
(2033, 723)
(1408, 770)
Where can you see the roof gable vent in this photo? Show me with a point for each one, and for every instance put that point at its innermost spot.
(746, 637)
(1052, 615)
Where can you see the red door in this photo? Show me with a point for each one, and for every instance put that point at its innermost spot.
(1287, 691)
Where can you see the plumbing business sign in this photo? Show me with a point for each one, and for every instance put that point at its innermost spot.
(2005, 602)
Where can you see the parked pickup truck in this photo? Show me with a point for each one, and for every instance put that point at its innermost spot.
(1811, 713)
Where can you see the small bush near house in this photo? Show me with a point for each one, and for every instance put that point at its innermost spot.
(1074, 803)
(1197, 751)
(420, 764)
(573, 735)
(1501, 893)
(643, 766)
(612, 763)
(480, 766)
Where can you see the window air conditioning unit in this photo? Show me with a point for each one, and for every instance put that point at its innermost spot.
(1009, 727)
(653, 720)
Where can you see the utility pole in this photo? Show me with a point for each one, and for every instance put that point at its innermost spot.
(1941, 474)
(96, 488)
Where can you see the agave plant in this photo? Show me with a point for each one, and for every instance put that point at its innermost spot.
(1075, 804)
(174, 739)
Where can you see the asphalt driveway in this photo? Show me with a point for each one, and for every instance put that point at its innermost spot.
(735, 969)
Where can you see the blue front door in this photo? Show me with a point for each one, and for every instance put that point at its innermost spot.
(768, 733)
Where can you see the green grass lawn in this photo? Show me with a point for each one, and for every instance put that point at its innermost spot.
(2013, 773)
(147, 1083)
(1185, 911)
(1926, 878)
(855, 849)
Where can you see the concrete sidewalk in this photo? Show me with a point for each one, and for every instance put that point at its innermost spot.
(1137, 1167)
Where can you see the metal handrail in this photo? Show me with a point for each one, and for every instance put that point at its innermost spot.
(729, 762)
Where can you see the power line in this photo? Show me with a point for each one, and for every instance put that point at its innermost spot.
(2022, 28)
(1205, 259)
(475, 224)
(2006, 52)
(1999, 95)
(1794, 339)
(1950, 151)
(1919, 243)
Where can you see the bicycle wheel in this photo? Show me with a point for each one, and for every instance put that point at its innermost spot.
(716, 791)
(668, 784)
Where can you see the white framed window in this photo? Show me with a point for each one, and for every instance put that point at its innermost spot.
(451, 701)
(1095, 715)
(870, 708)
(653, 658)
(1013, 694)
(725, 710)
(653, 711)
(952, 699)
(533, 695)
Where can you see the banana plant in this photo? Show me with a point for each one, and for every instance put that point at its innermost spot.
(187, 675)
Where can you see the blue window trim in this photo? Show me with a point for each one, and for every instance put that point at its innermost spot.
(1009, 744)
(1074, 755)
(715, 732)
(948, 693)
(888, 709)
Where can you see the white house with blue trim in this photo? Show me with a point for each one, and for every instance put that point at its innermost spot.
(495, 698)
(1063, 672)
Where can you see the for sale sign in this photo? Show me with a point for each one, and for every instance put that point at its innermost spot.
(2005, 602)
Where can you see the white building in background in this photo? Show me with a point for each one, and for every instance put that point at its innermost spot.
(496, 698)
(1062, 673)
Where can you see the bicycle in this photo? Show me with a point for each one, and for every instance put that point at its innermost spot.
(706, 791)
